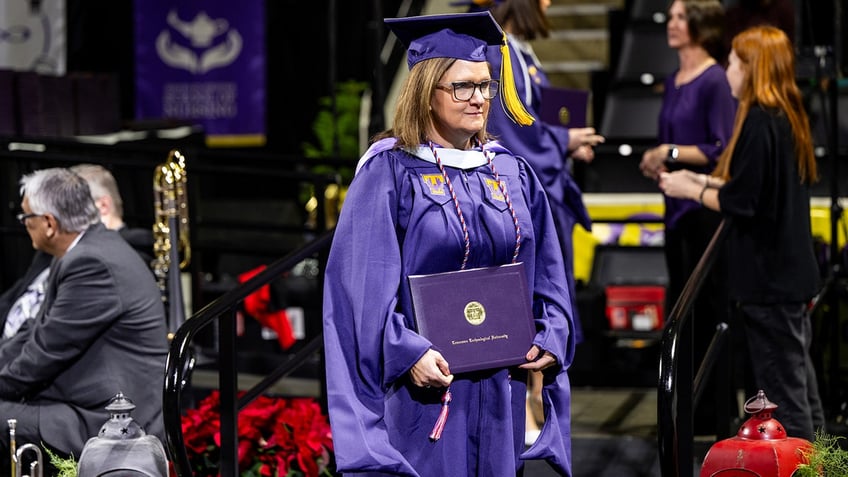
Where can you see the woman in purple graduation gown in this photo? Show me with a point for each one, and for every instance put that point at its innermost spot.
(434, 194)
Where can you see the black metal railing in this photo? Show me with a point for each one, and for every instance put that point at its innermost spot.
(222, 310)
(677, 391)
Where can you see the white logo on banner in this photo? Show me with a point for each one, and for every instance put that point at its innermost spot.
(32, 38)
(201, 32)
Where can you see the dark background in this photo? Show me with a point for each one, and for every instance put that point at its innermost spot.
(312, 44)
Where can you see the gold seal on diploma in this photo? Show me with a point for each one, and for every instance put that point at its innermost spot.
(475, 313)
(564, 116)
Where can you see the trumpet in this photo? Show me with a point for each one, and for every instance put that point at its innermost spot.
(171, 235)
(36, 465)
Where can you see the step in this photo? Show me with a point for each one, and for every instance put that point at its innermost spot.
(576, 75)
(579, 41)
(573, 45)
(580, 16)
(570, 57)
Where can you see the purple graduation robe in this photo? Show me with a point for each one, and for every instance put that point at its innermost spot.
(545, 147)
(398, 219)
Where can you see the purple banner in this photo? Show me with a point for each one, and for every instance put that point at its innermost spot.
(203, 62)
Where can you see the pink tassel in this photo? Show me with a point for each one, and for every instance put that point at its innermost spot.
(436, 434)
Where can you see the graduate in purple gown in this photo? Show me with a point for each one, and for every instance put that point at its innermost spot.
(435, 194)
(549, 148)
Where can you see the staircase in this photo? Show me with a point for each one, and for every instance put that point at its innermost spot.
(579, 41)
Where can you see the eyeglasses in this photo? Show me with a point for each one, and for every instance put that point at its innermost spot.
(464, 90)
(22, 218)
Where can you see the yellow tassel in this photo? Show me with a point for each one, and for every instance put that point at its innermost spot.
(509, 98)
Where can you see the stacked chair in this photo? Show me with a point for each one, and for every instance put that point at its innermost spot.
(639, 61)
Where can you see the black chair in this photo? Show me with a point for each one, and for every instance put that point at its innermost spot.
(644, 56)
(648, 11)
(821, 121)
(630, 115)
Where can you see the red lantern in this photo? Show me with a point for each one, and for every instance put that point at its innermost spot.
(760, 448)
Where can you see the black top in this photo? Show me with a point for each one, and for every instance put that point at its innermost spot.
(770, 246)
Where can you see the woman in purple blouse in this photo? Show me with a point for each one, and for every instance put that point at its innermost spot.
(695, 124)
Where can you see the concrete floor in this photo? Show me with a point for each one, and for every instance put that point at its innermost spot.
(614, 434)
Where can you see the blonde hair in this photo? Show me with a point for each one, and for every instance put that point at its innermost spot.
(768, 66)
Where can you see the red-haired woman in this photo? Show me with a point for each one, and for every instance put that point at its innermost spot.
(762, 180)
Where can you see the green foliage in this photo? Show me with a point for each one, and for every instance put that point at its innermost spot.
(64, 467)
(344, 125)
(825, 459)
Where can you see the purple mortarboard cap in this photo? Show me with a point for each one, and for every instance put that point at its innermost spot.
(463, 36)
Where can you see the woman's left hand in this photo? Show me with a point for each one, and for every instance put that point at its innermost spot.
(536, 362)
(682, 184)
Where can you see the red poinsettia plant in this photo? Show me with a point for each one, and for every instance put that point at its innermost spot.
(276, 438)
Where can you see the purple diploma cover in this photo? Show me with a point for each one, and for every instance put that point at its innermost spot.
(564, 106)
(478, 318)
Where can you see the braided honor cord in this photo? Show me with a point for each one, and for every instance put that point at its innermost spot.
(436, 433)
(501, 185)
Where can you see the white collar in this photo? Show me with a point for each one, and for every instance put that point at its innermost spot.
(75, 241)
(450, 157)
(455, 158)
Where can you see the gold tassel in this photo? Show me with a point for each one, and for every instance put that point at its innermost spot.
(509, 98)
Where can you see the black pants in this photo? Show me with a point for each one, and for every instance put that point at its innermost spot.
(778, 337)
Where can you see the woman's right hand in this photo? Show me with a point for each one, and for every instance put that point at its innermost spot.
(431, 371)
(653, 162)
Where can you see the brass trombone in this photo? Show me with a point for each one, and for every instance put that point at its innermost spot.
(171, 235)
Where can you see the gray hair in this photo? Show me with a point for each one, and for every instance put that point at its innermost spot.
(102, 184)
(63, 194)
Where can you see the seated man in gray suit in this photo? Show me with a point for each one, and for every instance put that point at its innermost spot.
(23, 299)
(100, 330)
